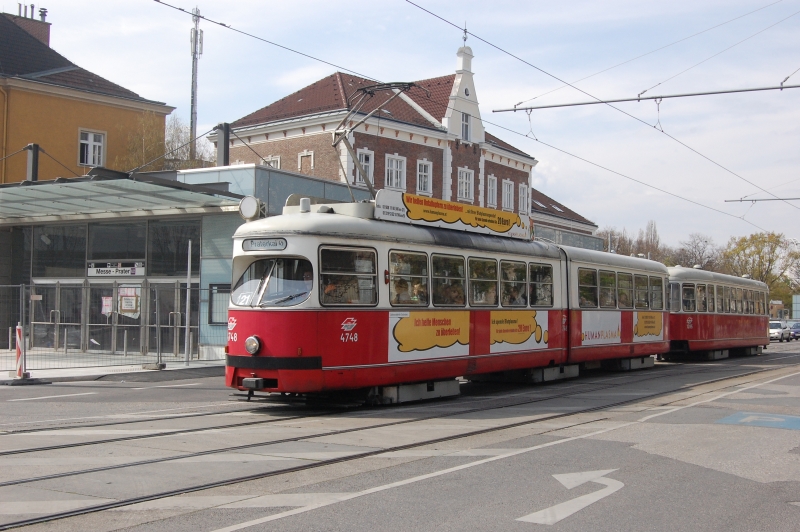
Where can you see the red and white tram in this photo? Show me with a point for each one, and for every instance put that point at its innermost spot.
(327, 297)
(715, 315)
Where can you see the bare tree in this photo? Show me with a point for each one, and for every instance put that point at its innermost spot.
(176, 141)
(699, 250)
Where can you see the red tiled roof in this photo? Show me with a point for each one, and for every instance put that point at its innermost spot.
(491, 139)
(549, 202)
(439, 89)
(24, 56)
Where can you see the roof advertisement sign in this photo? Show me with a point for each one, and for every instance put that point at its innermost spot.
(396, 206)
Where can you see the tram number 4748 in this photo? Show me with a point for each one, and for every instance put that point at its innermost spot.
(349, 337)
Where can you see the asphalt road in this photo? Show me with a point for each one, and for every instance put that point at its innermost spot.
(691, 446)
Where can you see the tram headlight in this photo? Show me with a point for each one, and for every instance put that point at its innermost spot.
(252, 345)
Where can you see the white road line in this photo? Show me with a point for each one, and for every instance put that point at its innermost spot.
(167, 386)
(413, 480)
(51, 397)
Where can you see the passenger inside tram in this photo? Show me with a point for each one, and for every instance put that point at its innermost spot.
(418, 292)
(401, 295)
(340, 289)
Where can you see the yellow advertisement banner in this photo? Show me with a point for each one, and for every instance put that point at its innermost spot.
(421, 331)
(648, 324)
(410, 208)
(517, 330)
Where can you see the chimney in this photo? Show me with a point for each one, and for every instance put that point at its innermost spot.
(38, 28)
(223, 144)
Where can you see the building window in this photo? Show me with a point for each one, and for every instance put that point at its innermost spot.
(491, 191)
(424, 172)
(365, 159)
(92, 147)
(465, 184)
(395, 172)
(272, 160)
(465, 127)
(218, 297)
(508, 195)
(523, 199)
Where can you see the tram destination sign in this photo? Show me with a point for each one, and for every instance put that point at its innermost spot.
(264, 244)
(396, 206)
(116, 269)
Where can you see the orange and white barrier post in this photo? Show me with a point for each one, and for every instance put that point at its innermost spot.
(20, 369)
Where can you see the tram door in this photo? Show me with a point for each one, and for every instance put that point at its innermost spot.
(56, 312)
(165, 318)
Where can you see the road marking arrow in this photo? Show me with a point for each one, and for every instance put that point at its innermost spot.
(554, 514)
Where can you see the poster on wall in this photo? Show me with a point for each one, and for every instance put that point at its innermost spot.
(648, 326)
(517, 330)
(396, 206)
(129, 299)
(426, 335)
(600, 327)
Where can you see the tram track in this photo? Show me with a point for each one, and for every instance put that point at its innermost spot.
(344, 431)
(601, 387)
(367, 454)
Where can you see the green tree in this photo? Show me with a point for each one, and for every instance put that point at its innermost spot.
(766, 257)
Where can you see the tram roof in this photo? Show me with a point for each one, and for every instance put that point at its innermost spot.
(677, 273)
(351, 227)
(613, 260)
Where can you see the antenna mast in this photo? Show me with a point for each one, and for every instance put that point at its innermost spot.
(196, 39)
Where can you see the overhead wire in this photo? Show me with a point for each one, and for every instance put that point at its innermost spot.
(720, 52)
(59, 162)
(650, 52)
(13, 154)
(789, 76)
(596, 98)
(130, 172)
(478, 118)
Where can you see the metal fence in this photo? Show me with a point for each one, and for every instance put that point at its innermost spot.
(79, 325)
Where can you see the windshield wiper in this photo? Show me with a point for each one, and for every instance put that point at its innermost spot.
(283, 299)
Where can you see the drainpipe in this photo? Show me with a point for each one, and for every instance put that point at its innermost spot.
(5, 134)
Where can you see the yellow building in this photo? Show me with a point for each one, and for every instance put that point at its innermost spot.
(78, 119)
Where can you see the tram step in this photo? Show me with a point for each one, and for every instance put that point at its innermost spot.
(717, 354)
(404, 393)
(527, 376)
(629, 364)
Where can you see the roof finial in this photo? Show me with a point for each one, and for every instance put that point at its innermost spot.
(465, 33)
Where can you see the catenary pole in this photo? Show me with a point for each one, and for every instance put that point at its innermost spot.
(196, 36)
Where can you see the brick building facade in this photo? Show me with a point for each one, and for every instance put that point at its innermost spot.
(429, 140)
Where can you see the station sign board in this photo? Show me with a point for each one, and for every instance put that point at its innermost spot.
(116, 269)
(396, 206)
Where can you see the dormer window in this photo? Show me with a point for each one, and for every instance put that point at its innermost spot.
(465, 127)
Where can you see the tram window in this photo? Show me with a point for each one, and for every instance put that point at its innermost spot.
(625, 290)
(656, 293)
(608, 289)
(675, 297)
(482, 282)
(701, 298)
(720, 298)
(348, 277)
(513, 284)
(739, 305)
(762, 306)
(640, 282)
(447, 280)
(748, 298)
(711, 298)
(274, 283)
(688, 297)
(727, 300)
(408, 278)
(541, 292)
(587, 288)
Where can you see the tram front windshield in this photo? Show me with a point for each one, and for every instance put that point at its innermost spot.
(274, 283)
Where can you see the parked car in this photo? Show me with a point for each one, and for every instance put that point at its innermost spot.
(779, 330)
(795, 330)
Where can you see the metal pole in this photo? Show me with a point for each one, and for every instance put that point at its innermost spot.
(197, 49)
(187, 339)
(10, 336)
(65, 341)
(158, 330)
(22, 320)
(125, 343)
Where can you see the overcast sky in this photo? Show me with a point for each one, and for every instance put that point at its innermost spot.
(144, 46)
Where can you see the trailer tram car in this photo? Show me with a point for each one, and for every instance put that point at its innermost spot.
(332, 297)
(715, 315)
